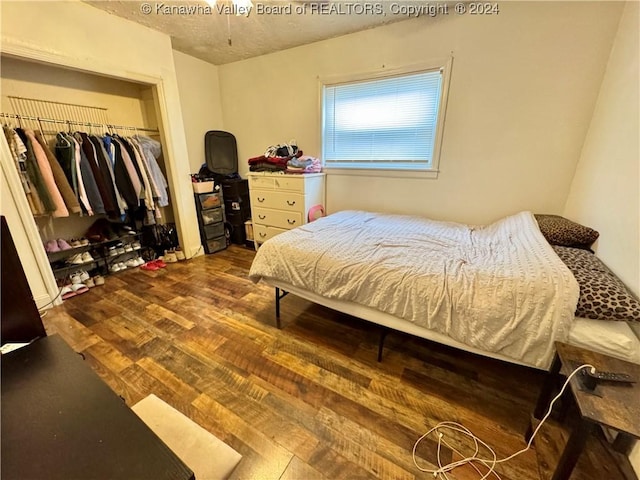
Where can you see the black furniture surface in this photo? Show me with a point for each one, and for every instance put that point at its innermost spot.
(61, 421)
(21, 322)
(237, 207)
(211, 218)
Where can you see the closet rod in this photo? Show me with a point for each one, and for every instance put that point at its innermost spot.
(84, 124)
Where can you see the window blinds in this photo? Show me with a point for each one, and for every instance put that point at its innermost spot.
(383, 123)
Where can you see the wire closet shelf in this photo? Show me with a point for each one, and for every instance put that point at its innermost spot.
(69, 114)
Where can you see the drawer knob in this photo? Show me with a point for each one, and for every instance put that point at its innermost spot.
(291, 204)
(262, 234)
(261, 199)
(291, 222)
(262, 217)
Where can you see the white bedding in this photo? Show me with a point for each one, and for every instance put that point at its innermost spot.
(498, 288)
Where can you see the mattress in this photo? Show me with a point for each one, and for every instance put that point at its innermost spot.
(498, 288)
(611, 338)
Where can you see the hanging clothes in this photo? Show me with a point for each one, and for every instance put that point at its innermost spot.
(88, 180)
(152, 150)
(124, 181)
(19, 154)
(35, 175)
(66, 156)
(107, 197)
(68, 195)
(106, 162)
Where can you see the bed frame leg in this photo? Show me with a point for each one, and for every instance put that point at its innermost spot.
(278, 297)
(383, 335)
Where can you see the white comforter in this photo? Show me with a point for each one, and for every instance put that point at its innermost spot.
(500, 288)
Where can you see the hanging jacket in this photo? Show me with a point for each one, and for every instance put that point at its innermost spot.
(35, 175)
(123, 180)
(88, 180)
(107, 197)
(62, 183)
(19, 154)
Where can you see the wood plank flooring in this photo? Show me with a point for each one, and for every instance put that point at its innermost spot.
(308, 401)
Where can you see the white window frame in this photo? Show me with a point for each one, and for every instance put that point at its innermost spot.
(444, 65)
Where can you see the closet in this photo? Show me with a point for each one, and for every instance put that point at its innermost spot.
(48, 100)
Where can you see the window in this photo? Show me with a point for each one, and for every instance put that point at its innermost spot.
(388, 123)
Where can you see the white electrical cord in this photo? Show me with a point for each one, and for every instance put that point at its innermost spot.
(488, 463)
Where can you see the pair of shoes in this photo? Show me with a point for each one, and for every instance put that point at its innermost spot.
(90, 283)
(78, 242)
(134, 262)
(72, 290)
(98, 280)
(117, 267)
(154, 265)
(136, 245)
(170, 256)
(52, 246)
(79, 277)
(80, 258)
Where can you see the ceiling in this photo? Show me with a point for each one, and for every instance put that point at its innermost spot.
(215, 36)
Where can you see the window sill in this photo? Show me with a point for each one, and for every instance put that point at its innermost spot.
(371, 172)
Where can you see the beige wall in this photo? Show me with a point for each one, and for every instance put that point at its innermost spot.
(200, 101)
(109, 46)
(605, 192)
(523, 88)
(123, 100)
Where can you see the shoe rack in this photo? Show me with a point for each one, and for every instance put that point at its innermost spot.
(99, 256)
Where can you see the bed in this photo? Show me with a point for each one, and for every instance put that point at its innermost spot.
(498, 290)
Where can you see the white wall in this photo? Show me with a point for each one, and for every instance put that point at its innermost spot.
(98, 42)
(523, 88)
(605, 192)
(200, 100)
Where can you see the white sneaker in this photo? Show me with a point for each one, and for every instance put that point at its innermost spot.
(84, 276)
(75, 279)
(140, 261)
(131, 263)
(75, 259)
(115, 267)
(128, 248)
(122, 266)
(86, 257)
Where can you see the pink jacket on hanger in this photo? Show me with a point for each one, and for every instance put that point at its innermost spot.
(47, 175)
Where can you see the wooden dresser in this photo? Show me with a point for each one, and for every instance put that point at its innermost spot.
(282, 202)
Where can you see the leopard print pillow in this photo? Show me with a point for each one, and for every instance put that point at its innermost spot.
(560, 231)
(603, 296)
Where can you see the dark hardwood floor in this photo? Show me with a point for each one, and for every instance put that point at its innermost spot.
(305, 402)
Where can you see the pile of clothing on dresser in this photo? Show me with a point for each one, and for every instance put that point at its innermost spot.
(286, 158)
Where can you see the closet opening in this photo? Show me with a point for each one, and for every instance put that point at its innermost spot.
(96, 223)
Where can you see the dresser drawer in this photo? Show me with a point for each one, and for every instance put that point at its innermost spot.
(262, 233)
(291, 202)
(277, 182)
(277, 218)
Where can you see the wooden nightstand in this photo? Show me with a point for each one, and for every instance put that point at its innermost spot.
(616, 406)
